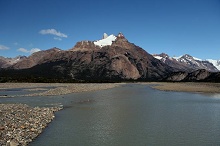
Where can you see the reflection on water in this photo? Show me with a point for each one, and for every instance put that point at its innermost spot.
(130, 115)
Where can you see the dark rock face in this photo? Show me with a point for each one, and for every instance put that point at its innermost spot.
(198, 75)
(177, 76)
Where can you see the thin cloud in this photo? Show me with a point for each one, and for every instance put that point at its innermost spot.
(2, 47)
(57, 38)
(31, 51)
(23, 50)
(53, 32)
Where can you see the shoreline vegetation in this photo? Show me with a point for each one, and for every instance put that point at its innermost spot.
(199, 87)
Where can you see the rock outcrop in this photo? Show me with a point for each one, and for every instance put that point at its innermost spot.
(195, 76)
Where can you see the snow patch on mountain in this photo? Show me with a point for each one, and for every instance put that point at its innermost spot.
(216, 63)
(106, 41)
(190, 62)
(158, 57)
(197, 59)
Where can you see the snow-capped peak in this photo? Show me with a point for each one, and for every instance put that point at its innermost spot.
(105, 41)
(187, 56)
(191, 62)
(197, 59)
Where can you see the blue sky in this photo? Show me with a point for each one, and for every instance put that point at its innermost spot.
(175, 27)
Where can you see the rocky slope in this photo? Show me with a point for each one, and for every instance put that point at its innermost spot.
(199, 75)
(35, 59)
(216, 63)
(186, 62)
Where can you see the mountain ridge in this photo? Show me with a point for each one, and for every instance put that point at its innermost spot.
(188, 63)
(112, 59)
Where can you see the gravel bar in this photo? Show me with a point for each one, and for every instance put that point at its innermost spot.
(20, 123)
(58, 88)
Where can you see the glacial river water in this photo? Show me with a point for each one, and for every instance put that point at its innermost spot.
(130, 115)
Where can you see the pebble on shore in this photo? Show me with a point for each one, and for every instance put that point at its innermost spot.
(20, 123)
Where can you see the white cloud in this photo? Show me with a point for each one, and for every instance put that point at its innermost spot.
(2, 47)
(53, 32)
(23, 50)
(58, 38)
(31, 51)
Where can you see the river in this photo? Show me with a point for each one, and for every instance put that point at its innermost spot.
(130, 115)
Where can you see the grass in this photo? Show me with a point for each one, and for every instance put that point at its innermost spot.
(187, 87)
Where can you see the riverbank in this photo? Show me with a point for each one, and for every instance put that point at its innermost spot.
(57, 88)
(20, 123)
(186, 87)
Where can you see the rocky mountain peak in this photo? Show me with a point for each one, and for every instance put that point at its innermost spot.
(85, 46)
(187, 56)
(122, 43)
(106, 41)
(120, 35)
(163, 55)
(105, 35)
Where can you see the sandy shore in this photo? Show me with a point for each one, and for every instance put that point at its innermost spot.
(186, 87)
(58, 88)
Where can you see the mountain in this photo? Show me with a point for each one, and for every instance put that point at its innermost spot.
(36, 59)
(187, 63)
(112, 58)
(7, 62)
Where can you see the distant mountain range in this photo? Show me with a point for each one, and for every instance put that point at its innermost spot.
(189, 63)
(7, 62)
(111, 59)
